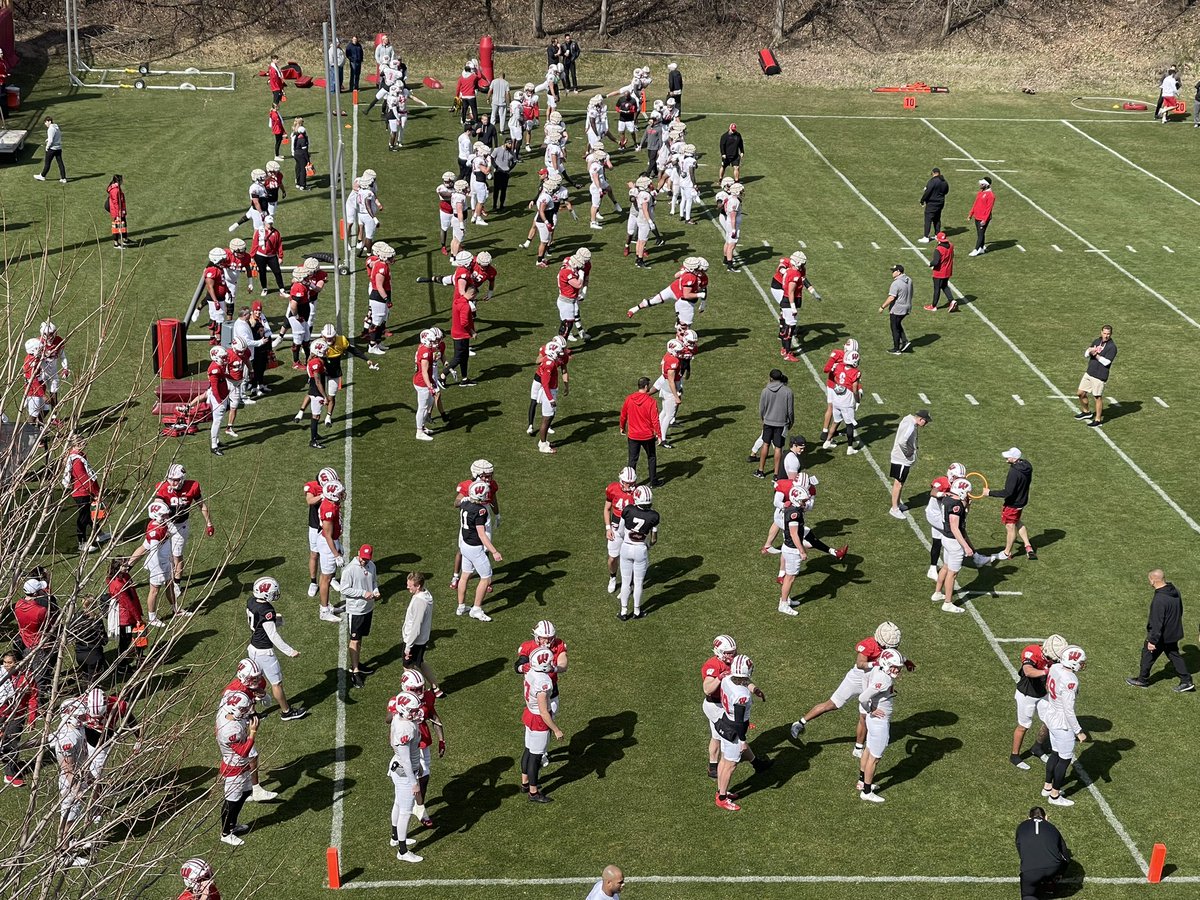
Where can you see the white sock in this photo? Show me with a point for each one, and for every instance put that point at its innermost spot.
(419, 811)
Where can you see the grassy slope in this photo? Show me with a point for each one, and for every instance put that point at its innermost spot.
(631, 788)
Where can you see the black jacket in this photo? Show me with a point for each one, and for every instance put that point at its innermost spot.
(1041, 846)
(674, 82)
(1016, 485)
(731, 145)
(935, 192)
(354, 54)
(1166, 616)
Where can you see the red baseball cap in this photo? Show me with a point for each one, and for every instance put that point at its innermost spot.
(366, 551)
(941, 235)
(256, 305)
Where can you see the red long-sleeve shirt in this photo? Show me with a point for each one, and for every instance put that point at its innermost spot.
(82, 479)
(116, 201)
(267, 242)
(639, 417)
(981, 209)
(129, 607)
(276, 122)
(462, 319)
(275, 78)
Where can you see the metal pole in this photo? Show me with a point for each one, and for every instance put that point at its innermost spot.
(333, 201)
(338, 184)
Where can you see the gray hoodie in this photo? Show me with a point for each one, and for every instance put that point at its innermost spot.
(775, 405)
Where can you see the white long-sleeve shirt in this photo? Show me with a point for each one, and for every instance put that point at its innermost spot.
(406, 743)
(1062, 687)
(418, 620)
(242, 329)
(879, 689)
(904, 448)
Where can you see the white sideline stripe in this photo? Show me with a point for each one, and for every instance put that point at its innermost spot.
(990, 593)
(1095, 251)
(924, 399)
(1005, 171)
(1161, 402)
(1168, 249)
(1017, 397)
(879, 400)
(1058, 249)
(1109, 816)
(1116, 265)
(974, 308)
(1130, 162)
(971, 400)
(339, 745)
(1020, 640)
(964, 159)
(909, 118)
(747, 879)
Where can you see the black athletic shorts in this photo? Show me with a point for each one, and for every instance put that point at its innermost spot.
(416, 655)
(774, 435)
(899, 472)
(360, 626)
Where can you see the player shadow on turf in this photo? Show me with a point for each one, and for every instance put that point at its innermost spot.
(179, 789)
(752, 255)
(680, 590)
(1127, 408)
(607, 334)
(818, 335)
(235, 580)
(393, 574)
(465, 418)
(796, 757)
(719, 338)
(476, 674)
(469, 796)
(681, 468)
(920, 750)
(701, 423)
(997, 246)
(597, 423)
(502, 332)
(315, 795)
(530, 581)
(926, 339)
(592, 750)
(838, 574)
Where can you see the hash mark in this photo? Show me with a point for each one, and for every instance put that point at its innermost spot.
(879, 399)
(1017, 397)
(971, 400)
(1161, 402)
(924, 399)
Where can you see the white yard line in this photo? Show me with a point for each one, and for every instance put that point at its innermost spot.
(339, 744)
(743, 879)
(1017, 397)
(974, 308)
(964, 159)
(1130, 162)
(971, 400)
(1079, 237)
(1161, 402)
(909, 118)
(990, 593)
(1019, 247)
(1020, 640)
(924, 399)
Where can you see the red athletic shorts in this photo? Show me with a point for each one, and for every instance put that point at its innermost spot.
(1010, 515)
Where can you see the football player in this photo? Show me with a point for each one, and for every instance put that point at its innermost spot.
(299, 316)
(683, 291)
(793, 547)
(425, 383)
(847, 392)
(237, 361)
(481, 470)
(570, 287)
(956, 546)
(459, 204)
(368, 213)
(1031, 687)
(198, 881)
(670, 387)
(835, 359)
(181, 493)
(54, 361)
(312, 498)
(35, 401)
(413, 680)
(337, 347)
(444, 190)
(317, 395)
(875, 704)
(545, 391)
(405, 768)
(237, 727)
(156, 547)
(643, 203)
(1057, 710)
(639, 532)
(258, 201)
(474, 543)
(237, 263)
(598, 163)
(273, 184)
(329, 545)
(733, 223)
(71, 750)
(249, 680)
(886, 637)
(935, 516)
(106, 717)
(782, 501)
(733, 727)
(380, 296)
(545, 635)
(617, 497)
(690, 340)
(481, 169)
(216, 291)
(265, 639)
(538, 719)
(687, 183)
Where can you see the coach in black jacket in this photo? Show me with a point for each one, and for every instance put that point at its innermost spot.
(1043, 852)
(933, 200)
(1164, 631)
(1016, 497)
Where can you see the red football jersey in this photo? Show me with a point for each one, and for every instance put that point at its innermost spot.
(835, 360)
(329, 511)
(684, 281)
(428, 702)
(423, 353)
(316, 368)
(565, 275)
(869, 647)
(32, 368)
(717, 668)
(619, 498)
(217, 277)
(1034, 656)
(380, 271)
(180, 500)
(670, 367)
(547, 374)
(557, 646)
(848, 377)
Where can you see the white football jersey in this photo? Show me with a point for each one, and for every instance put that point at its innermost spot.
(230, 732)
(537, 683)
(70, 744)
(405, 739)
(733, 695)
(1062, 687)
(878, 690)
(366, 202)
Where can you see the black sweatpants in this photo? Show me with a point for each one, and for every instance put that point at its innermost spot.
(941, 286)
(83, 518)
(462, 356)
(1173, 654)
(499, 189)
(1036, 883)
(899, 338)
(933, 219)
(980, 232)
(272, 263)
(635, 451)
(570, 76)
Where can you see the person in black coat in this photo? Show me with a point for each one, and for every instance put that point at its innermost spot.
(675, 86)
(1043, 853)
(570, 51)
(300, 153)
(90, 634)
(1164, 631)
(1015, 495)
(354, 56)
(933, 200)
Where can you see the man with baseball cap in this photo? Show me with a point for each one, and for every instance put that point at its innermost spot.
(360, 589)
(1015, 496)
(904, 456)
(942, 265)
(733, 148)
(899, 300)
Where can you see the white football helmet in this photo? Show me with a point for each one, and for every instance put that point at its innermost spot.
(479, 492)
(328, 475)
(273, 166)
(1054, 647)
(216, 256)
(195, 874)
(175, 474)
(737, 190)
(674, 346)
(544, 629)
(691, 264)
(462, 258)
(461, 185)
(804, 481)
(960, 488)
(328, 331)
(798, 496)
(891, 659)
(553, 181)
(542, 660)
(552, 352)
(727, 183)
(482, 467)
(238, 703)
(266, 588)
(333, 492)
(319, 347)
(258, 175)
(368, 176)
(689, 149)
(383, 250)
(158, 512)
(484, 258)
(437, 333)
(1073, 658)
(799, 258)
(851, 344)
(408, 705)
(851, 358)
(956, 470)
(888, 634)
(218, 354)
(95, 703)
(46, 329)
(741, 667)
(643, 182)
(627, 477)
(299, 273)
(248, 672)
(724, 647)
(642, 496)
(237, 245)
(689, 338)
(448, 178)
(33, 346)
(584, 254)
(412, 681)
(427, 339)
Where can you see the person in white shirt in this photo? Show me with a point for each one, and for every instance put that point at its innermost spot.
(53, 152)
(384, 52)
(465, 150)
(405, 769)
(1057, 711)
(875, 704)
(418, 620)
(70, 745)
(337, 60)
(612, 879)
(904, 457)
(360, 590)
(1168, 95)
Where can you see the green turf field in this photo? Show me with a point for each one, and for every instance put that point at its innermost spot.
(1086, 232)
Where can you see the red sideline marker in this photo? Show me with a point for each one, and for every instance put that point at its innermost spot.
(1157, 858)
(432, 83)
(334, 866)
